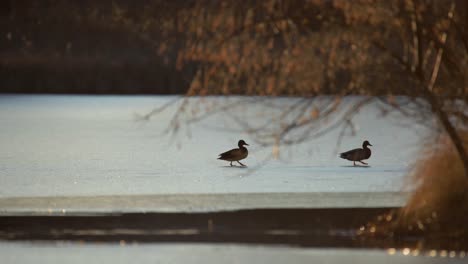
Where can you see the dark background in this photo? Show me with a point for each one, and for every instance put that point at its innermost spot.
(73, 47)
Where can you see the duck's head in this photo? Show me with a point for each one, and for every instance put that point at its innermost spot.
(365, 144)
(242, 143)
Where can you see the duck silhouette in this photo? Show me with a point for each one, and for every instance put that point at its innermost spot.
(236, 154)
(358, 154)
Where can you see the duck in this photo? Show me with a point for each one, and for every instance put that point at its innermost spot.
(358, 154)
(236, 154)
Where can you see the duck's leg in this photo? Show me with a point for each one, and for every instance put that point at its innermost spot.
(354, 163)
(241, 164)
(363, 162)
(231, 164)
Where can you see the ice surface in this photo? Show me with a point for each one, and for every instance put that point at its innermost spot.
(92, 146)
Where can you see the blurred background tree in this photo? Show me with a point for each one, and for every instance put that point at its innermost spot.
(381, 50)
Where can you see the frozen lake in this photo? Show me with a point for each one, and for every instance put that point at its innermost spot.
(200, 253)
(75, 146)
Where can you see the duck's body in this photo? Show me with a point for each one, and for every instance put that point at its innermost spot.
(358, 154)
(236, 154)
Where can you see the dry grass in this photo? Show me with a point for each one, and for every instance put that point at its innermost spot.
(437, 212)
(440, 201)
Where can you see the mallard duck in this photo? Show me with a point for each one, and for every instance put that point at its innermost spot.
(236, 154)
(358, 154)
